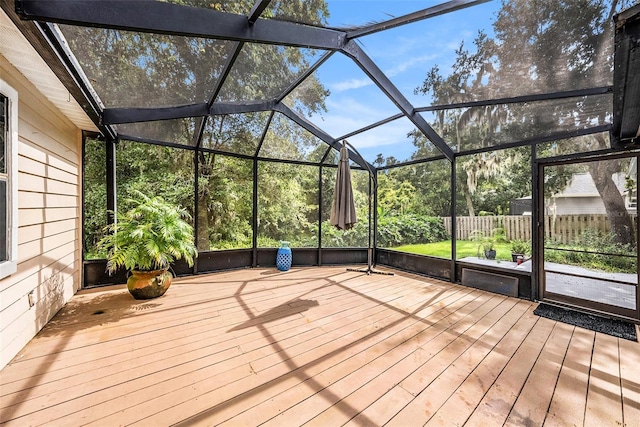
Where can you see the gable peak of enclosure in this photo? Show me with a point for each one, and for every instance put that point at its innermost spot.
(214, 74)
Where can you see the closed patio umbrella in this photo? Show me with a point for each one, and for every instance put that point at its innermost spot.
(343, 210)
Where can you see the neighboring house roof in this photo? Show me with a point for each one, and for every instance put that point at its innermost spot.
(582, 185)
(17, 50)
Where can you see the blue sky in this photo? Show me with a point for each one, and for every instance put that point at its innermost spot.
(405, 54)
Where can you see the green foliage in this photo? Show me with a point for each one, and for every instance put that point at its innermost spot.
(95, 198)
(419, 189)
(483, 241)
(392, 231)
(149, 236)
(354, 238)
(287, 203)
(565, 45)
(594, 250)
(225, 190)
(409, 228)
(520, 246)
(499, 233)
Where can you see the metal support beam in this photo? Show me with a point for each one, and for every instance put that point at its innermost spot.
(257, 10)
(254, 216)
(372, 126)
(302, 77)
(430, 12)
(354, 51)
(173, 19)
(196, 205)
(216, 90)
(112, 116)
(319, 133)
(264, 133)
(150, 141)
(522, 99)
(82, 90)
(320, 195)
(110, 164)
(537, 262)
(453, 214)
(248, 107)
(225, 72)
(412, 162)
(556, 136)
(512, 100)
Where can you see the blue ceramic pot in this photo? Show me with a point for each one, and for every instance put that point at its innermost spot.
(283, 258)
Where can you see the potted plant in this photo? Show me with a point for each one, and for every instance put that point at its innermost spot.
(518, 248)
(145, 240)
(489, 249)
(486, 244)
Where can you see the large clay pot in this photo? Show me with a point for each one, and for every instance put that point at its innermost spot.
(148, 284)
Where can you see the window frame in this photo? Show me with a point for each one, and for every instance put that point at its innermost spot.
(10, 265)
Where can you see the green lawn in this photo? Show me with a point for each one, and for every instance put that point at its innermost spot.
(464, 248)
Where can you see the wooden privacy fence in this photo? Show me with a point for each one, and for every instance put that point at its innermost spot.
(561, 228)
(516, 226)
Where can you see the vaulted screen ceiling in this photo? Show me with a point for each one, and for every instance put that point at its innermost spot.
(227, 75)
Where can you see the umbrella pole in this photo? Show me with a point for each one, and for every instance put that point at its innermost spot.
(372, 184)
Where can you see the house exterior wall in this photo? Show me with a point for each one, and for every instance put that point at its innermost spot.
(579, 205)
(49, 217)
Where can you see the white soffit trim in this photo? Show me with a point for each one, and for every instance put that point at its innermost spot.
(17, 50)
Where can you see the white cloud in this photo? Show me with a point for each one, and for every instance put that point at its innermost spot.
(347, 114)
(404, 66)
(349, 84)
(393, 133)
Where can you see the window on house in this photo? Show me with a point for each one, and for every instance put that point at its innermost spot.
(3, 179)
(8, 175)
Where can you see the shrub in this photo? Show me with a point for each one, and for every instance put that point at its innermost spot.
(520, 246)
(595, 250)
(408, 229)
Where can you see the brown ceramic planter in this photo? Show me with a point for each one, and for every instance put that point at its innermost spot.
(148, 284)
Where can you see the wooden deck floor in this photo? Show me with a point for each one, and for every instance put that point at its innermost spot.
(318, 347)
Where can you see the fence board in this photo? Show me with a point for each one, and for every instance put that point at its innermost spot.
(561, 228)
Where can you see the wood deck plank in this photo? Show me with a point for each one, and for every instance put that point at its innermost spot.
(462, 336)
(533, 400)
(321, 346)
(233, 345)
(198, 395)
(456, 362)
(604, 396)
(457, 409)
(372, 326)
(392, 371)
(309, 408)
(331, 369)
(630, 381)
(495, 406)
(175, 375)
(198, 335)
(570, 397)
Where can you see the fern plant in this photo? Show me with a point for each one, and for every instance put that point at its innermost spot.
(149, 236)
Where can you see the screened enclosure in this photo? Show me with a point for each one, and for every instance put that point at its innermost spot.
(236, 111)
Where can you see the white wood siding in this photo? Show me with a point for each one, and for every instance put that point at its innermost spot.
(49, 217)
(579, 205)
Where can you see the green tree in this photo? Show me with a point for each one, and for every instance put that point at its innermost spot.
(569, 45)
(129, 69)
